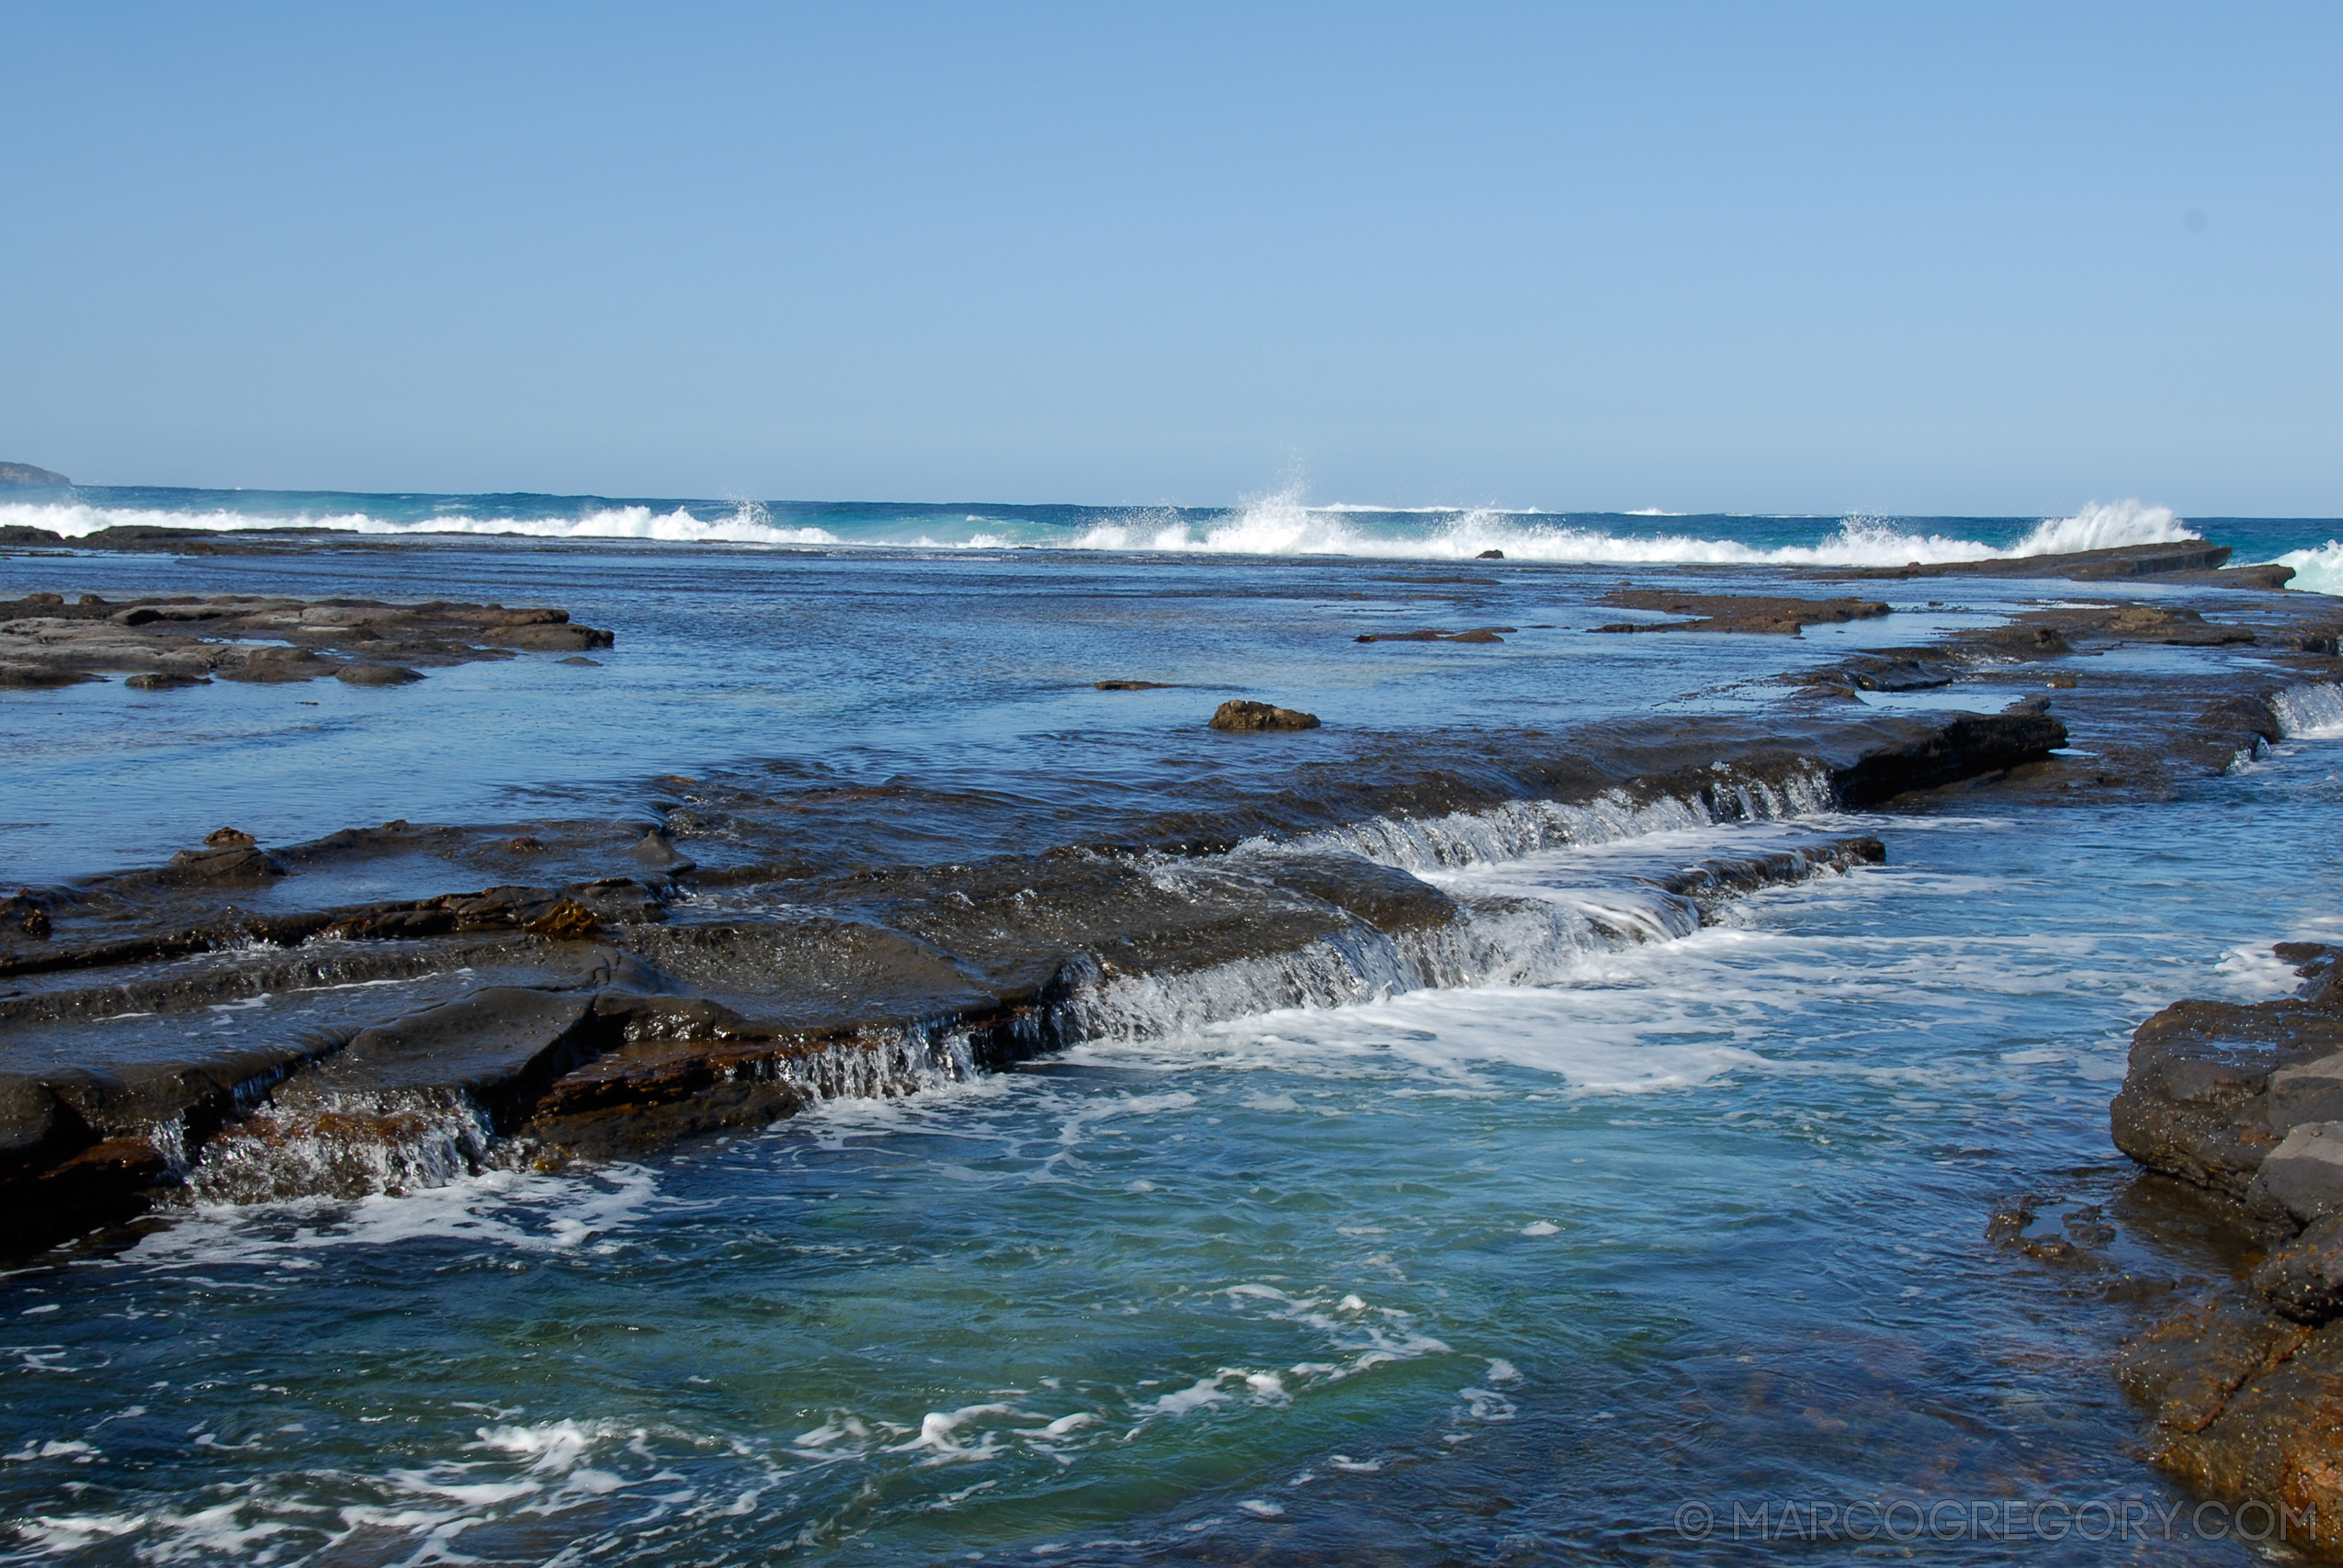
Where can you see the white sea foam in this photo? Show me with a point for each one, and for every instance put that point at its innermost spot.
(2309, 713)
(524, 1212)
(1276, 525)
(1517, 829)
(748, 523)
(1537, 919)
(2318, 571)
(1625, 1018)
(1283, 525)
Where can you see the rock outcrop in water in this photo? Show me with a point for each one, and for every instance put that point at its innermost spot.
(207, 1027)
(1762, 613)
(24, 476)
(189, 641)
(143, 538)
(1237, 717)
(2177, 559)
(2247, 1102)
(1434, 634)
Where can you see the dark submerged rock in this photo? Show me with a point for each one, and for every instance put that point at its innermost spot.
(1431, 634)
(35, 677)
(377, 674)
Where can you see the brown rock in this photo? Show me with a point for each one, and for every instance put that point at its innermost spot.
(2275, 1439)
(1237, 715)
(2303, 1279)
(2187, 1366)
(230, 863)
(270, 666)
(567, 920)
(2195, 1102)
(1762, 613)
(549, 636)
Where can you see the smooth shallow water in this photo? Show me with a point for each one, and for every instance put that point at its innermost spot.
(1503, 1274)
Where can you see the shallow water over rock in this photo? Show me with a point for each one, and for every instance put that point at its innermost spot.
(1498, 1125)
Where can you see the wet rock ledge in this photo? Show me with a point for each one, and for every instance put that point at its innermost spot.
(188, 641)
(2246, 1102)
(221, 1028)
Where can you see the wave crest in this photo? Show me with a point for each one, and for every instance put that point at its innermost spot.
(749, 524)
(1278, 525)
(1282, 525)
(2317, 570)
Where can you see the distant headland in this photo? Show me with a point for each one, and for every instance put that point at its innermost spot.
(24, 476)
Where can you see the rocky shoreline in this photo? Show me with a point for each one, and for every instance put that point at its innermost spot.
(392, 1006)
(629, 993)
(2245, 1103)
(168, 643)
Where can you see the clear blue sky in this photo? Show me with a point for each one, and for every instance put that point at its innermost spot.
(1748, 258)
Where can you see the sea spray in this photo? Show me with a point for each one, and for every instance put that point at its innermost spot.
(2318, 571)
(2309, 713)
(1282, 525)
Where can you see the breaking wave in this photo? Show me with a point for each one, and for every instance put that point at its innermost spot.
(1282, 525)
(2309, 713)
(749, 523)
(2317, 570)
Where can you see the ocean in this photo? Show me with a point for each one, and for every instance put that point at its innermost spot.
(1623, 1217)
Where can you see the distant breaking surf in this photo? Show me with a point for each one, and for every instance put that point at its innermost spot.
(1284, 527)
(1280, 525)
